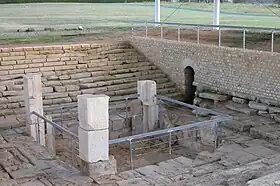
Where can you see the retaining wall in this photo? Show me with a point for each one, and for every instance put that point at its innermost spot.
(69, 70)
(249, 74)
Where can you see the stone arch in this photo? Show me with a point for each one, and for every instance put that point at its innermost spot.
(189, 87)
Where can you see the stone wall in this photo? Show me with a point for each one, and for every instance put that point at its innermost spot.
(248, 74)
(62, 67)
(70, 70)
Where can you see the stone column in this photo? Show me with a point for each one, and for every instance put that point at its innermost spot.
(93, 132)
(33, 102)
(147, 91)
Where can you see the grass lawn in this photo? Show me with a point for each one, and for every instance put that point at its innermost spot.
(70, 15)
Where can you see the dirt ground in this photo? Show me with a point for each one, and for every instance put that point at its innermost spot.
(229, 38)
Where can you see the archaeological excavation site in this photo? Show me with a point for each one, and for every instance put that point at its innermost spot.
(137, 112)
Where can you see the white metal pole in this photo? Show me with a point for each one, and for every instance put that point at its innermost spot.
(157, 11)
(216, 12)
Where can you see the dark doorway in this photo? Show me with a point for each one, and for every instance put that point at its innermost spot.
(189, 88)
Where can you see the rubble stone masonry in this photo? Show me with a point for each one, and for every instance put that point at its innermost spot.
(247, 74)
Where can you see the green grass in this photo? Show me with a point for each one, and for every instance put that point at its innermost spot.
(71, 15)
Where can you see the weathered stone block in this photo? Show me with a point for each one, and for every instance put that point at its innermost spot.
(62, 100)
(93, 145)
(72, 87)
(93, 111)
(20, 71)
(12, 93)
(274, 110)
(239, 100)
(201, 113)
(100, 168)
(241, 108)
(11, 58)
(59, 89)
(213, 96)
(257, 106)
(55, 95)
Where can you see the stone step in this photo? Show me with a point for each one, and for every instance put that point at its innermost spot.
(213, 96)
(122, 81)
(104, 77)
(242, 108)
(268, 132)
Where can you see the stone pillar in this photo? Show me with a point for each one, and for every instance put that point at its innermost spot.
(147, 91)
(93, 132)
(50, 137)
(33, 102)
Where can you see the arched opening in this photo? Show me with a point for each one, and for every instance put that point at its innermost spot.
(189, 88)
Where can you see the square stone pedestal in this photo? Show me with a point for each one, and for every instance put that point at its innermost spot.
(100, 168)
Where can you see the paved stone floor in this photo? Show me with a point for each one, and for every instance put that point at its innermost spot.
(249, 155)
(24, 162)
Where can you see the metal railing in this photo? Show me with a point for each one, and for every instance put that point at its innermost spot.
(215, 124)
(64, 144)
(199, 27)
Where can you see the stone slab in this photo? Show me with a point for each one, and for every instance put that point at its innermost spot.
(185, 162)
(239, 100)
(265, 132)
(269, 179)
(171, 168)
(129, 174)
(263, 113)
(209, 157)
(274, 110)
(205, 169)
(213, 96)
(238, 126)
(134, 182)
(241, 157)
(260, 151)
(240, 108)
(200, 113)
(26, 173)
(257, 106)
(152, 176)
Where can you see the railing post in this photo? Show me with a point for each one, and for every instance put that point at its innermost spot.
(170, 150)
(244, 38)
(131, 153)
(272, 41)
(146, 30)
(161, 32)
(33, 102)
(50, 136)
(198, 34)
(132, 30)
(179, 33)
(93, 132)
(215, 136)
(220, 37)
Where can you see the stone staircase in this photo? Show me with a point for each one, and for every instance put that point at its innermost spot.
(111, 69)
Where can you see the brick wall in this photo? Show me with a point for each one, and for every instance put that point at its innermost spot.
(244, 73)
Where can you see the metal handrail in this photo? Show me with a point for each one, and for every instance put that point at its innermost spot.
(220, 118)
(54, 124)
(164, 98)
(173, 129)
(202, 25)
